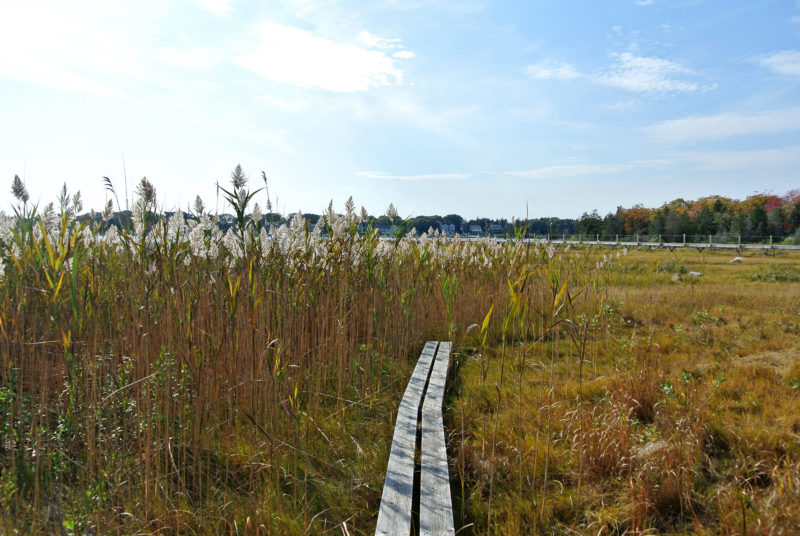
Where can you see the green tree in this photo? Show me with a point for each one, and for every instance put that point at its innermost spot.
(590, 224)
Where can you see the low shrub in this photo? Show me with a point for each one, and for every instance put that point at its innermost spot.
(777, 273)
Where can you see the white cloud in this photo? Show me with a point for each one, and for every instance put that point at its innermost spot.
(219, 8)
(84, 48)
(467, 7)
(424, 177)
(298, 57)
(373, 41)
(785, 62)
(746, 161)
(726, 125)
(632, 73)
(645, 2)
(406, 109)
(551, 70)
(647, 75)
(385, 43)
(193, 59)
(569, 170)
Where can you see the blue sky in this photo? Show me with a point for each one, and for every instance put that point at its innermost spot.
(440, 106)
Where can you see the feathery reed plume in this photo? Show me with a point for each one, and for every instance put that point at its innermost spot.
(108, 211)
(18, 190)
(146, 192)
(238, 178)
(199, 207)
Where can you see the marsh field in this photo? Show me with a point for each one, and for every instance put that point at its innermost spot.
(165, 378)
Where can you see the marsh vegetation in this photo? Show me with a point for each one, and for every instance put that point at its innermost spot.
(166, 377)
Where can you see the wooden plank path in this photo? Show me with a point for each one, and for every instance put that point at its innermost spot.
(435, 505)
(419, 425)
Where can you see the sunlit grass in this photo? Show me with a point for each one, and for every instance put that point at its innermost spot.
(684, 420)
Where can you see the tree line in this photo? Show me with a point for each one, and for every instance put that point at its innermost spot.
(754, 219)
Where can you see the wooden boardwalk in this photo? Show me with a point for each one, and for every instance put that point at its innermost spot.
(418, 469)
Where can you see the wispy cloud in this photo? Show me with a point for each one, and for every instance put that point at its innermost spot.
(648, 75)
(404, 55)
(782, 158)
(387, 44)
(636, 74)
(743, 161)
(424, 177)
(569, 170)
(551, 70)
(645, 2)
(786, 62)
(298, 57)
(190, 58)
(66, 47)
(407, 109)
(726, 125)
(373, 41)
(219, 8)
(467, 7)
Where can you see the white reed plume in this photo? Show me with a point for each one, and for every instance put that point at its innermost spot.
(6, 225)
(233, 245)
(256, 216)
(175, 226)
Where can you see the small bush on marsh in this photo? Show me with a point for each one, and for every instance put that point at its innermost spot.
(703, 317)
(672, 267)
(776, 273)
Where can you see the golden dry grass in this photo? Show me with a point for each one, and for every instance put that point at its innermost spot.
(683, 418)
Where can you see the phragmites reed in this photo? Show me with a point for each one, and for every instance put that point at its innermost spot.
(165, 373)
(238, 178)
(198, 207)
(18, 190)
(108, 211)
(146, 192)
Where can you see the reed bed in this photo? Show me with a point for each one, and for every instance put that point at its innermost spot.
(167, 378)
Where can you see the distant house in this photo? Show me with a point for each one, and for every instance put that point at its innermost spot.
(496, 228)
(226, 221)
(387, 229)
(447, 228)
(474, 229)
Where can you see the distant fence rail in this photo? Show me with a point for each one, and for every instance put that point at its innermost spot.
(670, 242)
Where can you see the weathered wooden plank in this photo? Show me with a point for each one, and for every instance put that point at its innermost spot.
(394, 517)
(435, 504)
